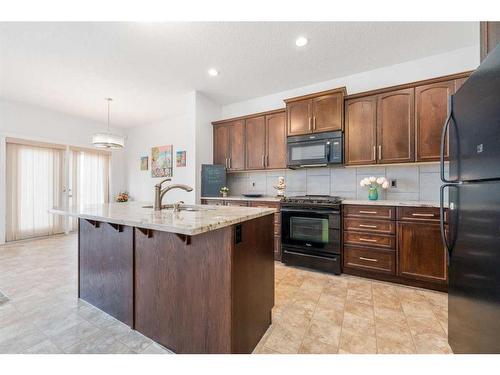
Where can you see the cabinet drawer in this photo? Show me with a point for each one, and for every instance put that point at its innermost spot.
(418, 213)
(370, 259)
(369, 239)
(264, 204)
(378, 212)
(372, 226)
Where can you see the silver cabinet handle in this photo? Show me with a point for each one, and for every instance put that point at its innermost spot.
(367, 240)
(314, 122)
(379, 152)
(229, 162)
(422, 215)
(367, 212)
(263, 160)
(367, 226)
(310, 124)
(374, 152)
(368, 259)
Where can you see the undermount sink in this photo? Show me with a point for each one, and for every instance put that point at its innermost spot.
(169, 207)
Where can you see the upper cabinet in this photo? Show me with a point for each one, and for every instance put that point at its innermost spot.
(276, 140)
(431, 110)
(255, 145)
(315, 113)
(395, 126)
(229, 145)
(299, 117)
(251, 142)
(490, 37)
(399, 125)
(361, 131)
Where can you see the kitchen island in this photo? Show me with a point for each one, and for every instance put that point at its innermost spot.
(196, 281)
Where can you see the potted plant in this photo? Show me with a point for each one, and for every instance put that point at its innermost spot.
(373, 184)
(223, 191)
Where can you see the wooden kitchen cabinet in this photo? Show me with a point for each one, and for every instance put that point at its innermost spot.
(490, 37)
(276, 155)
(327, 112)
(397, 244)
(299, 117)
(252, 142)
(395, 126)
(229, 145)
(315, 113)
(255, 145)
(431, 110)
(422, 255)
(361, 131)
(221, 144)
(400, 124)
(266, 142)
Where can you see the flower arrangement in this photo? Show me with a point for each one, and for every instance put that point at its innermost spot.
(122, 196)
(223, 191)
(373, 184)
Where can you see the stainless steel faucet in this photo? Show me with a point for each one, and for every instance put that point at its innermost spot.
(159, 192)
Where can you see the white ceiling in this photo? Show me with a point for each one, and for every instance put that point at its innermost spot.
(149, 67)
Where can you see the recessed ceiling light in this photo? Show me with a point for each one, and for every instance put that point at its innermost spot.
(213, 72)
(301, 41)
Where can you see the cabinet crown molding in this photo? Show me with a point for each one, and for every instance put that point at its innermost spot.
(341, 90)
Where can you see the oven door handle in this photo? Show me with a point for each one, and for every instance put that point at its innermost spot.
(311, 211)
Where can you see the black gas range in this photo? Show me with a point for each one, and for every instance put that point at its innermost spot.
(311, 232)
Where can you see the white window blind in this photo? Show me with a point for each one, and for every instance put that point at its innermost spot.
(34, 185)
(90, 178)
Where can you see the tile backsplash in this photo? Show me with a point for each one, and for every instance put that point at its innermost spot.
(413, 182)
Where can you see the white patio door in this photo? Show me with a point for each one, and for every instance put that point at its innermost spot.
(89, 182)
(34, 184)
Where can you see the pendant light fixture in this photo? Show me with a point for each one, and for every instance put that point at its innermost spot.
(108, 139)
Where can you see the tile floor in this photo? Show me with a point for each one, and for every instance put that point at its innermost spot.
(314, 312)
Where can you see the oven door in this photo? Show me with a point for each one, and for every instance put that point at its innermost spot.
(311, 231)
(308, 152)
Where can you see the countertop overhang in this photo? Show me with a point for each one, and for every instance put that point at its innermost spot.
(206, 218)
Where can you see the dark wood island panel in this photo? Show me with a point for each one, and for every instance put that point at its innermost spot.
(212, 294)
(105, 270)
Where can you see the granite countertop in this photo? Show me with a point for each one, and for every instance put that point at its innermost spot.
(242, 198)
(381, 202)
(190, 223)
(384, 202)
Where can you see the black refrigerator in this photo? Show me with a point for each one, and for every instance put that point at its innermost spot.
(472, 234)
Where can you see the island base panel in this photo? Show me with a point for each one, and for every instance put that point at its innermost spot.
(193, 297)
(105, 276)
(252, 283)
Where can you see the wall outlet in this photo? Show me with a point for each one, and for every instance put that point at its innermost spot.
(393, 183)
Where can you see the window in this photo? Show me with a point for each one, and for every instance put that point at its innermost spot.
(34, 185)
(89, 171)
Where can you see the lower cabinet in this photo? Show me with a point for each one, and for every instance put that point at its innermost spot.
(421, 252)
(401, 245)
(268, 204)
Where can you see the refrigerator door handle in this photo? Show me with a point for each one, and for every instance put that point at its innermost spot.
(444, 131)
(449, 247)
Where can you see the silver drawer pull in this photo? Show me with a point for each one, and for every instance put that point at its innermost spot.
(368, 259)
(367, 212)
(367, 226)
(367, 240)
(423, 215)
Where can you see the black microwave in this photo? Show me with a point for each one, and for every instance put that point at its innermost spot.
(314, 150)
